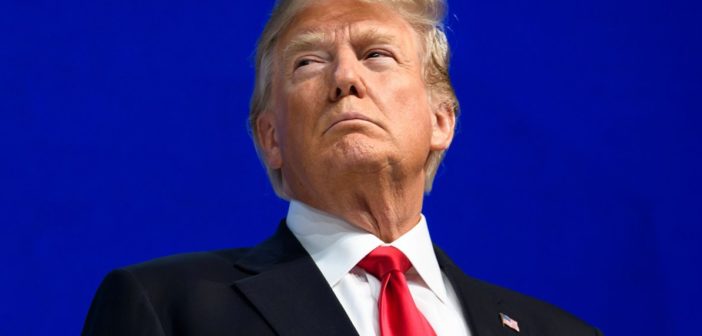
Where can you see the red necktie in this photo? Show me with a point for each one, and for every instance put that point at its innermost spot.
(399, 315)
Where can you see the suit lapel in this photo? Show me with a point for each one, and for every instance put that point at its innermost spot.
(481, 306)
(288, 289)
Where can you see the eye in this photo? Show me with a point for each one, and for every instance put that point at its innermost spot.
(377, 54)
(303, 62)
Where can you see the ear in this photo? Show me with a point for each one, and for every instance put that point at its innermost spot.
(443, 122)
(268, 140)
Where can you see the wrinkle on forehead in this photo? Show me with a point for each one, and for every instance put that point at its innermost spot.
(316, 17)
(316, 26)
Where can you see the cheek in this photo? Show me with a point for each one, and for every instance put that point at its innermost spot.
(298, 114)
(409, 103)
(415, 119)
(302, 104)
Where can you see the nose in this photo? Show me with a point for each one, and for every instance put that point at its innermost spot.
(346, 77)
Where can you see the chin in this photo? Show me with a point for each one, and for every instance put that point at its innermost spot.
(358, 154)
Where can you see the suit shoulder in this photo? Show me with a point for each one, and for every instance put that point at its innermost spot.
(152, 296)
(215, 266)
(545, 317)
(188, 259)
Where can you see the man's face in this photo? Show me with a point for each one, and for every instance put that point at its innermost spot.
(348, 96)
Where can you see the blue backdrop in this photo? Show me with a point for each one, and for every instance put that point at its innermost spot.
(574, 177)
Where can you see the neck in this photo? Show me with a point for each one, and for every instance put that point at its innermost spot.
(386, 206)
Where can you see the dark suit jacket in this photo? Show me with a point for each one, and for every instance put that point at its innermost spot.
(275, 288)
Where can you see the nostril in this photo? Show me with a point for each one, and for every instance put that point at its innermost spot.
(338, 92)
(353, 91)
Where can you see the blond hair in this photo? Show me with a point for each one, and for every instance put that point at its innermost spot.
(425, 16)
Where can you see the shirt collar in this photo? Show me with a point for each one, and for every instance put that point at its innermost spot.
(337, 246)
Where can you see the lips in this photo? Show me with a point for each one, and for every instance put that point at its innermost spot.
(347, 116)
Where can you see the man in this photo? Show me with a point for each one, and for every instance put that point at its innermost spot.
(351, 114)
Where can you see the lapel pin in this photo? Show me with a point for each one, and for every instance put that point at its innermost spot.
(509, 322)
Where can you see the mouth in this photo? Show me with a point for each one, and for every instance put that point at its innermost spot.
(351, 117)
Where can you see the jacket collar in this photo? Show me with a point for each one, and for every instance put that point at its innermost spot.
(288, 289)
(481, 304)
(291, 293)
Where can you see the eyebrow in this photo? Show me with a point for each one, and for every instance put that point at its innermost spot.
(307, 40)
(372, 35)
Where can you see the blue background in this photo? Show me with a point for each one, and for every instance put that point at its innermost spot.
(574, 176)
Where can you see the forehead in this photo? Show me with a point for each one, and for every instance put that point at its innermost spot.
(324, 20)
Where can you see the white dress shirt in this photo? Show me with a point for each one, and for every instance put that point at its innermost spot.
(337, 246)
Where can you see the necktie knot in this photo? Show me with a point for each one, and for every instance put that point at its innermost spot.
(383, 260)
(397, 312)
